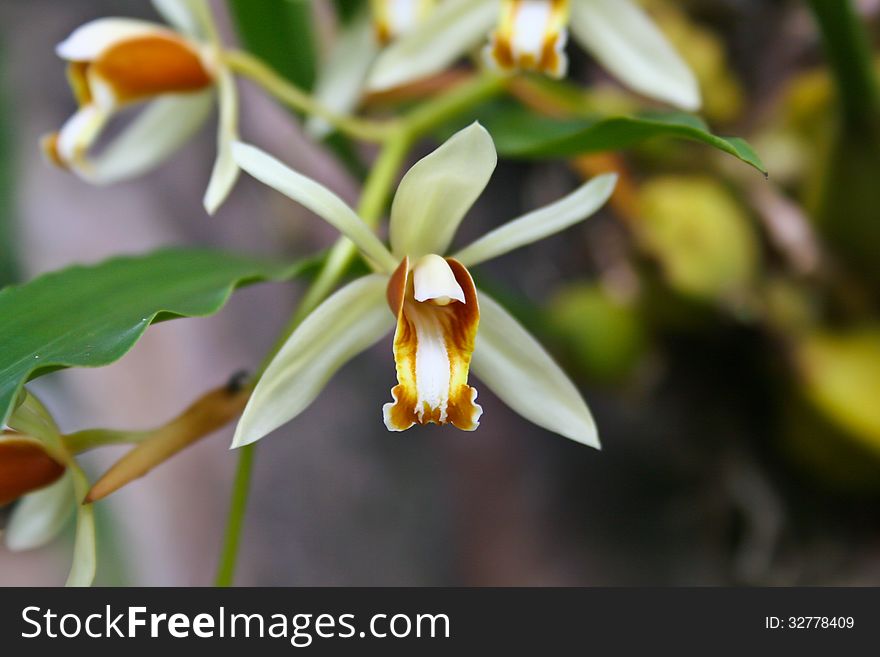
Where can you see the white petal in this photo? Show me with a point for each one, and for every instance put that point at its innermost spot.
(451, 30)
(316, 198)
(518, 369)
(153, 136)
(435, 194)
(623, 37)
(187, 16)
(87, 42)
(346, 324)
(78, 134)
(39, 517)
(226, 171)
(341, 80)
(541, 223)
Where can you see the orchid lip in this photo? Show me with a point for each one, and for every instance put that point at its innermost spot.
(433, 345)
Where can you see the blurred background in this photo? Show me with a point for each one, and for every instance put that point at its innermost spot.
(722, 327)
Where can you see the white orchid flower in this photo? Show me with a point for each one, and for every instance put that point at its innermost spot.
(342, 78)
(532, 34)
(114, 63)
(435, 306)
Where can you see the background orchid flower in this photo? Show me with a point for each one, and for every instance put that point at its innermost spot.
(39, 486)
(41, 477)
(444, 326)
(342, 79)
(114, 63)
(531, 35)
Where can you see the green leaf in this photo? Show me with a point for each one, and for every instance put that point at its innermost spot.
(280, 32)
(91, 316)
(8, 267)
(521, 133)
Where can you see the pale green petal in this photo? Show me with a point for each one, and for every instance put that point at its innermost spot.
(191, 17)
(625, 40)
(225, 171)
(449, 32)
(341, 80)
(316, 198)
(39, 517)
(524, 376)
(346, 324)
(541, 223)
(85, 557)
(31, 418)
(435, 194)
(153, 136)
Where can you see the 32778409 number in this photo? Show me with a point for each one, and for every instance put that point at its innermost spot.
(820, 622)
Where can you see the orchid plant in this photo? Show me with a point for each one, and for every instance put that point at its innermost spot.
(444, 327)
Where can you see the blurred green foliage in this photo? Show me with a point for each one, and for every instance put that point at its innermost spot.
(605, 336)
(281, 33)
(700, 235)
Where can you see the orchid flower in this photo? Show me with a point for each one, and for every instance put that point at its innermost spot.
(444, 325)
(114, 63)
(342, 79)
(39, 475)
(532, 34)
(41, 489)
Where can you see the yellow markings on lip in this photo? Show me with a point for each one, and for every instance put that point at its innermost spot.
(148, 66)
(25, 467)
(77, 76)
(531, 35)
(49, 147)
(433, 345)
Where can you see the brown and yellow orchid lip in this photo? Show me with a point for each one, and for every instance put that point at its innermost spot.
(433, 344)
(531, 35)
(25, 467)
(141, 67)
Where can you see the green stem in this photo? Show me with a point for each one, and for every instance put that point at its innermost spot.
(453, 103)
(374, 198)
(849, 53)
(83, 441)
(372, 204)
(256, 70)
(235, 522)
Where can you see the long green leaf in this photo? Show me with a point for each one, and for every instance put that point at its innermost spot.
(520, 133)
(280, 32)
(8, 268)
(91, 316)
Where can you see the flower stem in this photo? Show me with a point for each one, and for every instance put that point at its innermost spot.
(235, 521)
(256, 70)
(372, 204)
(374, 198)
(454, 103)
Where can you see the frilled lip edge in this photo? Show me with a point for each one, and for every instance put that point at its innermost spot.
(25, 467)
(432, 353)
